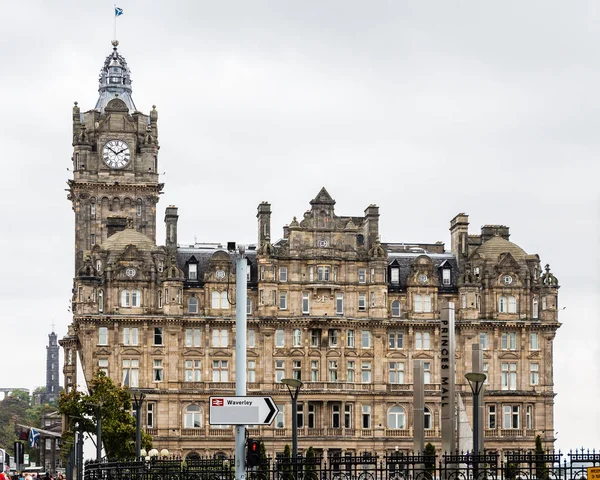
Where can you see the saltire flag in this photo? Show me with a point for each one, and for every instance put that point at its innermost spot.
(118, 11)
(34, 436)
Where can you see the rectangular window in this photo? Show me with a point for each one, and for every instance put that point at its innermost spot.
(262, 272)
(314, 370)
(333, 337)
(529, 416)
(339, 304)
(305, 303)
(351, 367)
(534, 373)
(279, 370)
(220, 338)
(158, 370)
(251, 342)
(491, 417)
(297, 369)
(311, 274)
(274, 298)
(279, 338)
(372, 276)
(483, 340)
(261, 295)
(248, 306)
(348, 415)
(297, 338)
(251, 371)
(366, 416)
(427, 303)
(512, 304)
(422, 341)
(315, 338)
(362, 302)
(396, 372)
(130, 336)
(362, 275)
(160, 299)
(323, 274)
(283, 300)
(395, 276)
(333, 371)
(335, 274)
(283, 274)
(280, 417)
(509, 341)
(446, 276)
(92, 239)
(365, 368)
(158, 336)
(192, 371)
(426, 373)
(300, 415)
(131, 373)
(192, 337)
(335, 415)
(350, 339)
(150, 407)
(366, 339)
(463, 301)
(509, 376)
(103, 365)
(534, 341)
(396, 340)
(511, 416)
(192, 271)
(103, 336)
(372, 299)
(220, 370)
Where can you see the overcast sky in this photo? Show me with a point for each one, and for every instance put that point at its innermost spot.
(425, 108)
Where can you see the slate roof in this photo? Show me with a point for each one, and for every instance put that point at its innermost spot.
(204, 253)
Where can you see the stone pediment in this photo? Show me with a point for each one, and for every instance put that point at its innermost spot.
(251, 353)
(535, 354)
(486, 355)
(507, 263)
(221, 353)
(422, 355)
(188, 352)
(333, 353)
(367, 354)
(297, 351)
(314, 353)
(279, 352)
(351, 353)
(131, 351)
(103, 351)
(396, 355)
(508, 356)
(157, 351)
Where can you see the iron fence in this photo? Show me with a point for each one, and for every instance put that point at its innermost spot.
(367, 466)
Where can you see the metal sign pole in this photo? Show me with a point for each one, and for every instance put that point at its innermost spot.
(240, 358)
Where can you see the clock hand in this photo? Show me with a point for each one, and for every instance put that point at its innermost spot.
(111, 150)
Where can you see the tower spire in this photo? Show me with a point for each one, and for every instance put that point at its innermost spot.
(115, 81)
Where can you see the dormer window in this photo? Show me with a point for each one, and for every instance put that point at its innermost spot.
(192, 271)
(395, 275)
(161, 266)
(323, 274)
(476, 271)
(446, 276)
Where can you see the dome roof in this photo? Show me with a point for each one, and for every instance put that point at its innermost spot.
(129, 236)
(495, 246)
(115, 80)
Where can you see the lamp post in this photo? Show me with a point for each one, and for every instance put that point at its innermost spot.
(138, 398)
(475, 380)
(293, 385)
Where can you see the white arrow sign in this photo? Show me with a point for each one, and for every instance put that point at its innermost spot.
(241, 410)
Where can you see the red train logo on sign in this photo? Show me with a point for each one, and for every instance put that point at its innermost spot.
(217, 402)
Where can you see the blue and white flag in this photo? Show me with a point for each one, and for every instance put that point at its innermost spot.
(34, 436)
(118, 11)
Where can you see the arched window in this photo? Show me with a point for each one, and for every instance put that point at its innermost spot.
(139, 207)
(427, 303)
(160, 299)
(100, 301)
(512, 304)
(396, 417)
(193, 305)
(395, 308)
(224, 301)
(215, 299)
(136, 298)
(125, 298)
(535, 308)
(248, 306)
(427, 419)
(192, 417)
(502, 304)
(418, 303)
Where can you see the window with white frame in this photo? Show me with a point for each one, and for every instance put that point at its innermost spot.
(422, 340)
(426, 373)
(192, 305)
(534, 373)
(534, 341)
(366, 416)
(491, 417)
(130, 336)
(283, 300)
(192, 271)
(463, 301)
(339, 304)
(274, 297)
(446, 276)
(248, 306)
(362, 275)
(511, 416)
(483, 340)
(335, 274)
(251, 371)
(103, 365)
(220, 338)
(396, 308)
(502, 304)
(300, 415)
(220, 371)
(372, 276)
(336, 415)
(366, 339)
(125, 298)
(365, 367)
(131, 370)
(100, 301)
(297, 369)
(395, 275)
(92, 210)
(372, 295)
(192, 371)
(509, 376)
(529, 416)
(158, 370)
(351, 371)
(219, 300)
(160, 299)
(362, 302)
(192, 337)
(305, 303)
(350, 339)
(279, 370)
(158, 336)
(192, 417)
(279, 338)
(150, 408)
(427, 419)
(297, 337)
(509, 341)
(102, 335)
(512, 304)
(323, 274)
(262, 272)
(348, 415)
(535, 308)
(314, 370)
(251, 338)
(396, 340)
(396, 372)
(427, 303)
(333, 370)
(397, 417)
(418, 303)
(283, 277)
(315, 338)
(333, 335)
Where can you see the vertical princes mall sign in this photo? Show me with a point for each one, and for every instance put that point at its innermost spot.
(241, 410)
(448, 364)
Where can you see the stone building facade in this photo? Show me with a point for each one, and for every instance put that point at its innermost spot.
(328, 304)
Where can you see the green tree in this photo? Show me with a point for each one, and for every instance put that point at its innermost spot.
(429, 459)
(114, 404)
(541, 470)
(16, 410)
(310, 467)
(264, 461)
(286, 463)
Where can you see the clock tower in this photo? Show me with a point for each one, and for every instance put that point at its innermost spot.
(115, 163)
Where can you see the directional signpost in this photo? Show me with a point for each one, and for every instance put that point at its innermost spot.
(242, 410)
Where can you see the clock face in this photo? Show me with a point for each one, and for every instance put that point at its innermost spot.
(220, 274)
(116, 154)
(422, 278)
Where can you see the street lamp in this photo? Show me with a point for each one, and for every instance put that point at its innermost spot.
(475, 380)
(293, 385)
(138, 398)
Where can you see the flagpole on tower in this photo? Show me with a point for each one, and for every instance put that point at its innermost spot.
(118, 13)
